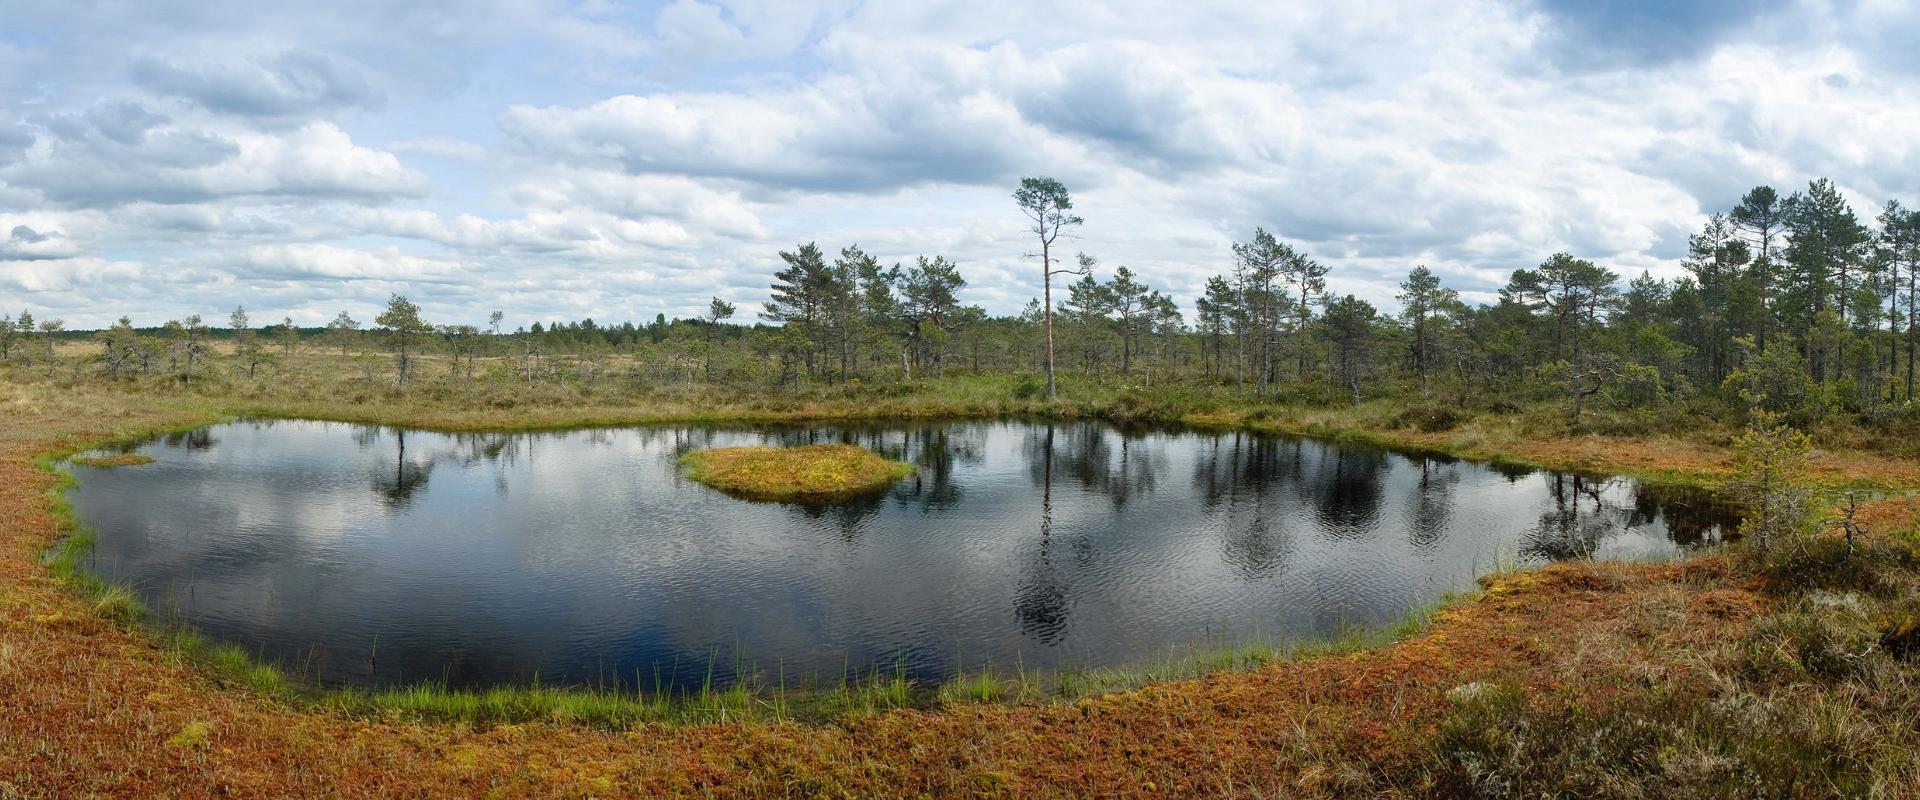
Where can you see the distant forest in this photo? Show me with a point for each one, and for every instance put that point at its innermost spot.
(1796, 305)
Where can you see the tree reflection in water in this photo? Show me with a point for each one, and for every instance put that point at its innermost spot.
(1346, 490)
(934, 452)
(1578, 521)
(1432, 502)
(1238, 475)
(1692, 516)
(398, 488)
(1041, 601)
(201, 439)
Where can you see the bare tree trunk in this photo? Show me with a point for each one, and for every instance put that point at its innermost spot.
(1579, 398)
(1046, 307)
(1240, 356)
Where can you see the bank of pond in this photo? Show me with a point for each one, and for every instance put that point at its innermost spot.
(371, 557)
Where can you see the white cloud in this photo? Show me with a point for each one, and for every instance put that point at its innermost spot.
(643, 197)
(319, 262)
(561, 160)
(295, 82)
(73, 284)
(318, 159)
(22, 242)
(173, 164)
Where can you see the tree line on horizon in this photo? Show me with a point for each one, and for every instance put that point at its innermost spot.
(1793, 304)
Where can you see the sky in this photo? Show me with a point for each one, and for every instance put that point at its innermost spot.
(560, 159)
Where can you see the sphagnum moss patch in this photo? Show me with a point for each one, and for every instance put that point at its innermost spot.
(809, 474)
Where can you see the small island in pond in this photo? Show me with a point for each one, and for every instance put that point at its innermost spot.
(811, 474)
(122, 460)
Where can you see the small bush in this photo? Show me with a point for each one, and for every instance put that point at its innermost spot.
(1430, 419)
(1826, 564)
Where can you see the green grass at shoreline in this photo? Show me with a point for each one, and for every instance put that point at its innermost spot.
(875, 690)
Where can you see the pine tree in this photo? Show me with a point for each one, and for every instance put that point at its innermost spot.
(405, 329)
(1424, 299)
(1047, 206)
(801, 293)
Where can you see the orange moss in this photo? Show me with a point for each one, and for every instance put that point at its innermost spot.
(1728, 604)
(1891, 517)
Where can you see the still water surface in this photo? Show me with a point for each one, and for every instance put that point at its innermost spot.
(374, 556)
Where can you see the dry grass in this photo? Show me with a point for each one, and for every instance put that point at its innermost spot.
(814, 473)
(97, 707)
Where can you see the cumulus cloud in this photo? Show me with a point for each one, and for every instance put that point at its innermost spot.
(83, 166)
(834, 136)
(640, 198)
(294, 82)
(26, 244)
(72, 288)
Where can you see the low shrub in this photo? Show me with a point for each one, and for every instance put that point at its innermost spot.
(1430, 419)
(1028, 387)
(1879, 567)
(1825, 635)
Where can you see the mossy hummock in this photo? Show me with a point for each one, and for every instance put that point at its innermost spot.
(123, 460)
(810, 474)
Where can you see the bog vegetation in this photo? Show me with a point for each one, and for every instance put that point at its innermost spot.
(1783, 667)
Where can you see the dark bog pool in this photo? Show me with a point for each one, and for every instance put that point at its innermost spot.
(375, 556)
